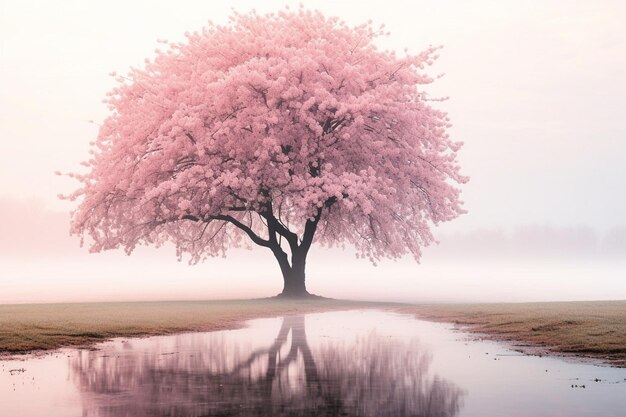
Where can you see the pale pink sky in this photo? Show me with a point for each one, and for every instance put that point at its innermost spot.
(536, 94)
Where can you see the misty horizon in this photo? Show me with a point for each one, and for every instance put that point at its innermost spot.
(22, 222)
(532, 95)
(526, 263)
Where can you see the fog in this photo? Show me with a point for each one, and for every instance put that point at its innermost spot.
(535, 93)
(42, 263)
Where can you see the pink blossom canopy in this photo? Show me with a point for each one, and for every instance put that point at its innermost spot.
(272, 124)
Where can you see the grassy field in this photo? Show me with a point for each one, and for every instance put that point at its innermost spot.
(586, 329)
(594, 329)
(28, 327)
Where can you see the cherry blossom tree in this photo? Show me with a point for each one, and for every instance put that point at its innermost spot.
(277, 130)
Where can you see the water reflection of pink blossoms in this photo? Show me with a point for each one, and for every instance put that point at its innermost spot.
(372, 376)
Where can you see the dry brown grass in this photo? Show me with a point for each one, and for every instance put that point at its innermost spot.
(594, 329)
(24, 328)
(587, 329)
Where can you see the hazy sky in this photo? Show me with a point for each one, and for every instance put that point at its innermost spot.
(536, 93)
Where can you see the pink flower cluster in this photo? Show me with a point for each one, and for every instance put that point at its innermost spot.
(291, 115)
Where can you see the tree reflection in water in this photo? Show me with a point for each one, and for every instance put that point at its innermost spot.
(371, 376)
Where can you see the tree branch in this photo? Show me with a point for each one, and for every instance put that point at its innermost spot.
(224, 217)
(255, 238)
(275, 226)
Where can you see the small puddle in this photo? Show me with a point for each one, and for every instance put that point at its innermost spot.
(355, 363)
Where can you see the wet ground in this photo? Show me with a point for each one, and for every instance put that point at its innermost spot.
(356, 363)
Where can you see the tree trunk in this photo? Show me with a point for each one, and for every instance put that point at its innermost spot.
(293, 275)
(294, 284)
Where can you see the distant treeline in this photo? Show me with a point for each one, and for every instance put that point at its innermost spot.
(535, 241)
(29, 229)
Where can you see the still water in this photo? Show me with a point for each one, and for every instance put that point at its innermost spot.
(355, 363)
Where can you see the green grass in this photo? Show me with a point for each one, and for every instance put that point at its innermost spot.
(595, 329)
